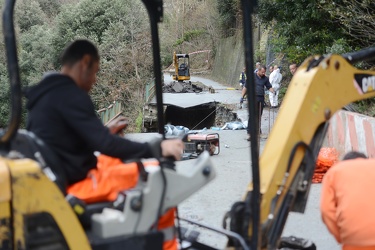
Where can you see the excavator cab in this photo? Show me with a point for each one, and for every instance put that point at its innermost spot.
(182, 67)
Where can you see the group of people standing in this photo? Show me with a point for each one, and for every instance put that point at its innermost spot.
(261, 81)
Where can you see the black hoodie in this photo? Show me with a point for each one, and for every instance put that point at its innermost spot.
(63, 116)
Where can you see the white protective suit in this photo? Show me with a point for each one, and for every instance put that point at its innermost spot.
(275, 80)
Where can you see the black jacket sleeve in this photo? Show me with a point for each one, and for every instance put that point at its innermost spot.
(268, 84)
(80, 115)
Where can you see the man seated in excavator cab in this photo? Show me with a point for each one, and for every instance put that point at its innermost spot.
(61, 113)
(183, 70)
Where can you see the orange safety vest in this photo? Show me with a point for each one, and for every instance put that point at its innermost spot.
(167, 226)
(112, 176)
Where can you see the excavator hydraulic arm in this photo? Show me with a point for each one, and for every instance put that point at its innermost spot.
(320, 87)
(175, 63)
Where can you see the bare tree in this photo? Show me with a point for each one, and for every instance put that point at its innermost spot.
(189, 25)
(357, 16)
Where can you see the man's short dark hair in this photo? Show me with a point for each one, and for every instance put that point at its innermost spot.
(263, 67)
(353, 155)
(75, 51)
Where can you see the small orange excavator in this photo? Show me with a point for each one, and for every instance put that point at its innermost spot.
(182, 67)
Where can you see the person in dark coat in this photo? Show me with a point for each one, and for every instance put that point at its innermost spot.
(261, 82)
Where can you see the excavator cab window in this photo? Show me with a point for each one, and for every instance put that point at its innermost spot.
(182, 66)
(183, 70)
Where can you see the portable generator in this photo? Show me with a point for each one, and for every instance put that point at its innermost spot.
(197, 143)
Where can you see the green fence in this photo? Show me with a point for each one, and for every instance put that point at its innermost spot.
(110, 113)
(150, 91)
(115, 109)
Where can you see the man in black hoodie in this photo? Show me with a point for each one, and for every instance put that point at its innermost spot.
(61, 113)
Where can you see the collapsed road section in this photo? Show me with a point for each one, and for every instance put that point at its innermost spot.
(192, 105)
(205, 115)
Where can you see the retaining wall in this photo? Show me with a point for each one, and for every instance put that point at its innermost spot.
(351, 131)
(229, 61)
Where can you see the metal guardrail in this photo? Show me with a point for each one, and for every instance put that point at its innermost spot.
(150, 91)
(110, 113)
(115, 109)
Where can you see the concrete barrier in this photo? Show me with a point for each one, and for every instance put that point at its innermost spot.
(351, 131)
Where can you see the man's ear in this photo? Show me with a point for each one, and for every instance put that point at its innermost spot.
(86, 61)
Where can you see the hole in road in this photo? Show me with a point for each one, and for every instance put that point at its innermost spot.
(198, 117)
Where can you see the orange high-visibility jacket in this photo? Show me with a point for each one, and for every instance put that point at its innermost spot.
(109, 178)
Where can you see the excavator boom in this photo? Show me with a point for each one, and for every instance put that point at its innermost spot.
(320, 87)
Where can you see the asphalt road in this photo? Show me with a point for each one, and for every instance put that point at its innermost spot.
(233, 174)
(233, 167)
(209, 205)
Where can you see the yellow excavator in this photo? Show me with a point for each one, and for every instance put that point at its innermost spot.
(36, 212)
(182, 67)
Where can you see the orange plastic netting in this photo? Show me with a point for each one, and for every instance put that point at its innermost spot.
(326, 158)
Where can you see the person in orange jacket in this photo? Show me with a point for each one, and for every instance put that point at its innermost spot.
(61, 113)
(347, 203)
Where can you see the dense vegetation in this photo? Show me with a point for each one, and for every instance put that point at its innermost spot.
(122, 33)
(301, 28)
(120, 28)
